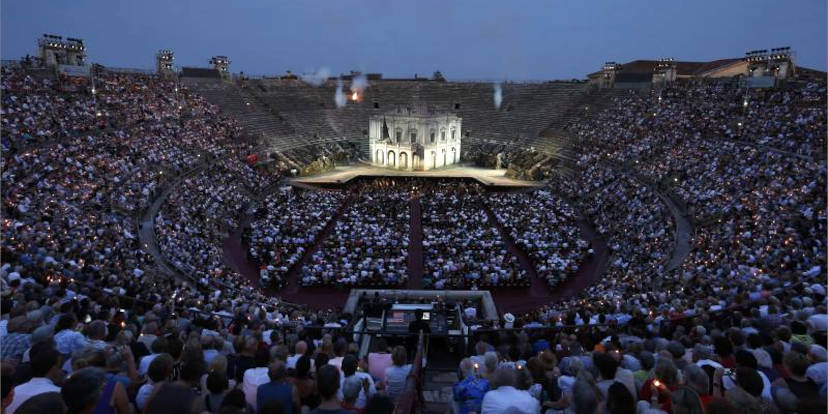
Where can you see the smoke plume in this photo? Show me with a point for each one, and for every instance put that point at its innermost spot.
(339, 96)
(498, 95)
(359, 84)
(318, 77)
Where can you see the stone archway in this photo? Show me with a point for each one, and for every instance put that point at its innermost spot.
(403, 160)
(392, 159)
(444, 157)
(433, 159)
(415, 161)
(379, 157)
(453, 155)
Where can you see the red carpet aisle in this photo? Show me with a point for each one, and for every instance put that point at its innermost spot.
(415, 246)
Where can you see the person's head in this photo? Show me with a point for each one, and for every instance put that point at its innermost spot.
(745, 358)
(173, 398)
(320, 360)
(481, 347)
(697, 379)
(192, 369)
(750, 380)
(97, 330)
(620, 400)
(217, 382)
(585, 398)
(82, 389)
(48, 402)
(676, 349)
(606, 365)
(277, 371)
(490, 361)
(234, 398)
(399, 356)
(303, 366)
(797, 363)
(160, 345)
(218, 363)
(379, 404)
(466, 367)
(44, 359)
(504, 377)
(327, 381)
(279, 352)
(687, 401)
(666, 372)
(722, 346)
(340, 347)
(160, 368)
(351, 388)
(349, 365)
(66, 321)
(301, 348)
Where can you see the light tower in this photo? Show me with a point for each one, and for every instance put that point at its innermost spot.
(54, 50)
(608, 74)
(777, 63)
(164, 62)
(665, 71)
(222, 63)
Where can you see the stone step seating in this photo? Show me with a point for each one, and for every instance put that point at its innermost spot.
(437, 390)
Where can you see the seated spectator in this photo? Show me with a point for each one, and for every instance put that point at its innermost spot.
(45, 371)
(504, 397)
(49, 402)
(469, 392)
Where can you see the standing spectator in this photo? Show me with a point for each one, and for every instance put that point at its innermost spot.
(397, 373)
(328, 383)
(45, 371)
(278, 389)
(349, 370)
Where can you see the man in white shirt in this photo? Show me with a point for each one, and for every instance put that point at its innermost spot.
(504, 397)
(45, 367)
(301, 348)
(254, 377)
(159, 346)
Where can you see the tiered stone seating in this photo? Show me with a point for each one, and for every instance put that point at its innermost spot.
(289, 114)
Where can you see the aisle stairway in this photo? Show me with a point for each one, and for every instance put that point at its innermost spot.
(437, 390)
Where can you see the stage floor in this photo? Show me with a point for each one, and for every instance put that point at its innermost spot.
(485, 176)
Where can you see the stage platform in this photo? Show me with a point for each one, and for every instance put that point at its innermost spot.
(341, 175)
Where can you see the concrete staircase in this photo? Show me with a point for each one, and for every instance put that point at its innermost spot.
(437, 391)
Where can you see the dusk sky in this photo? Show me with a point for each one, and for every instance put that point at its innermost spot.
(475, 39)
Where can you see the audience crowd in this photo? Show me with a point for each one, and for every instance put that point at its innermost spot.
(546, 228)
(286, 225)
(462, 248)
(368, 245)
(92, 323)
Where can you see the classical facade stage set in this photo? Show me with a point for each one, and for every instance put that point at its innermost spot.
(415, 139)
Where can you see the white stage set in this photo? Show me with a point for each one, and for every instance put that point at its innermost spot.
(415, 139)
